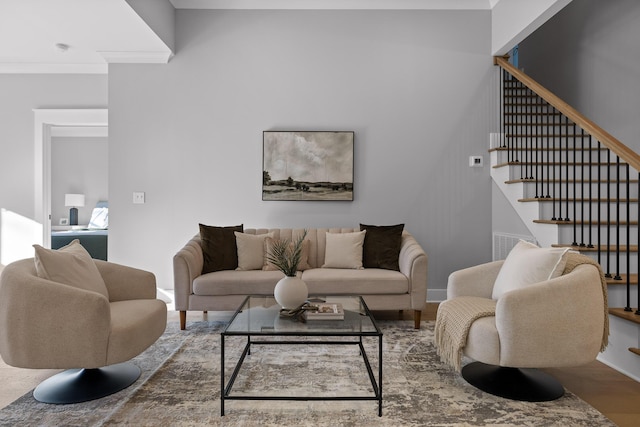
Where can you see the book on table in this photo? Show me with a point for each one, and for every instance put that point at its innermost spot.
(324, 311)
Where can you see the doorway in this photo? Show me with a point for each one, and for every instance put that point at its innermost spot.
(58, 122)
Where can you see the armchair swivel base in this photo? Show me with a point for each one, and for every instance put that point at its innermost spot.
(524, 384)
(81, 385)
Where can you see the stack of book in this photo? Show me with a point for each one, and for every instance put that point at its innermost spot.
(324, 311)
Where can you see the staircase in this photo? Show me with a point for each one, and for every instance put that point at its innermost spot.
(573, 185)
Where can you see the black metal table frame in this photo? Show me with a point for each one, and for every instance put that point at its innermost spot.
(225, 389)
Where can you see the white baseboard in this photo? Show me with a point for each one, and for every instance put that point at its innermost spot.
(436, 295)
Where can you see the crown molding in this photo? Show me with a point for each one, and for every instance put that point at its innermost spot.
(337, 4)
(136, 57)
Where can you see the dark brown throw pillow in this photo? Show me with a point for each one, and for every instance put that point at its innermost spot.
(382, 246)
(219, 247)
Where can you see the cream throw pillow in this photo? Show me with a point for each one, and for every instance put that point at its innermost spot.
(71, 265)
(250, 250)
(528, 264)
(344, 250)
(304, 256)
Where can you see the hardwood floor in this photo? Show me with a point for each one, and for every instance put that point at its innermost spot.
(610, 392)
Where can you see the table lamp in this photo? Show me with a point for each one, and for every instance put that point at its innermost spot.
(75, 201)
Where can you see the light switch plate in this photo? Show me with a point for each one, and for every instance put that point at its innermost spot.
(138, 197)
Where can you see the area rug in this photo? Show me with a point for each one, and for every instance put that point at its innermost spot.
(180, 386)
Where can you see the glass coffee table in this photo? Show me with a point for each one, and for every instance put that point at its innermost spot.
(258, 319)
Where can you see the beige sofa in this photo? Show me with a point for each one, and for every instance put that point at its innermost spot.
(224, 290)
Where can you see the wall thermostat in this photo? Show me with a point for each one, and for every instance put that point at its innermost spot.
(475, 161)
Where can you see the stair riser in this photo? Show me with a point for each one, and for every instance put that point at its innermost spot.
(556, 172)
(548, 189)
(617, 296)
(547, 212)
(544, 156)
(566, 234)
(609, 264)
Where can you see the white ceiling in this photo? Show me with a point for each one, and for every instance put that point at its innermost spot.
(102, 31)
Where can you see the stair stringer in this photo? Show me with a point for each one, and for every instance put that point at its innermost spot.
(545, 234)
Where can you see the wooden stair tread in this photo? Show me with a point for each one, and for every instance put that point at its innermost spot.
(580, 222)
(551, 199)
(603, 248)
(570, 164)
(546, 135)
(579, 181)
(546, 149)
(635, 350)
(627, 315)
(633, 280)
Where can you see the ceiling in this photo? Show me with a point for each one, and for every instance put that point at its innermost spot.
(98, 32)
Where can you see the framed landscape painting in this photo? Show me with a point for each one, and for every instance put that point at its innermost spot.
(307, 165)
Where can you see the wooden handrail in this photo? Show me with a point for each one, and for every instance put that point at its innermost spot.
(625, 153)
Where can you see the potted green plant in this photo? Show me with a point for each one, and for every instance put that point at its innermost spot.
(290, 291)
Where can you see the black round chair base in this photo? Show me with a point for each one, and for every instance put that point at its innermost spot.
(81, 385)
(529, 385)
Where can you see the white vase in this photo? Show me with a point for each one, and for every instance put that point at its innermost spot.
(290, 292)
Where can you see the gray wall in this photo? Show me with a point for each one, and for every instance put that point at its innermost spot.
(417, 87)
(20, 94)
(78, 165)
(589, 55)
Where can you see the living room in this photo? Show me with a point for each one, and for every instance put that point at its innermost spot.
(417, 88)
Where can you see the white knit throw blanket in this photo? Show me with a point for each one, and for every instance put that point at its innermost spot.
(453, 321)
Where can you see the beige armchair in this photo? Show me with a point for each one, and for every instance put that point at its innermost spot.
(51, 325)
(557, 322)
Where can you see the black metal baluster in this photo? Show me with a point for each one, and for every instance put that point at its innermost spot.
(560, 166)
(628, 251)
(582, 184)
(521, 155)
(575, 192)
(530, 130)
(618, 202)
(590, 245)
(548, 196)
(567, 166)
(503, 104)
(637, 256)
(538, 173)
(553, 164)
(608, 270)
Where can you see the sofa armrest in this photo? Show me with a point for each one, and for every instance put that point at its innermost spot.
(49, 325)
(127, 283)
(413, 264)
(476, 281)
(558, 322)
(187, 265)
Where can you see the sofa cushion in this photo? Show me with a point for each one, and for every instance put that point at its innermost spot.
(304, 256)
(71, 265)
(381, 247)
(237, 282)
(344, 250)
(337, 281)
(526, 265)
(251, 253)
(219, 248)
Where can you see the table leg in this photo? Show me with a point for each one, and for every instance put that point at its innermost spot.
(380, 376)
(222, 375)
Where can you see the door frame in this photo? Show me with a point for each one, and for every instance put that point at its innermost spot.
(49, 123)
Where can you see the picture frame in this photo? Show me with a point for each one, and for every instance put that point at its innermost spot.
(307, 165)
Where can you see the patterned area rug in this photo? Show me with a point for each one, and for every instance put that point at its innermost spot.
(180, 385)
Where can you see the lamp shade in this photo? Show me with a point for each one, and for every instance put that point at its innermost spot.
(75, 200)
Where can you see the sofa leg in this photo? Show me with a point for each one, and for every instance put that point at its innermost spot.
(183, 320)
(416, 318)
